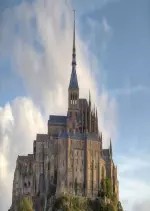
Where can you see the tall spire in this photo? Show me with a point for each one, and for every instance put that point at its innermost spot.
(73, 80)
(74, 44)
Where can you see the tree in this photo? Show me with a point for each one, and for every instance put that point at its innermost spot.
(61, 203)
(103, 190)
(96, 204)
(119, 206)
(108, 188)
(26, 204)
(109, 207)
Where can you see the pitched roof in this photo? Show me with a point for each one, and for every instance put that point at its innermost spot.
(83, 102)
(41, 137)
(60, 120)
(79, 136)
(106, 152)
(73, 80)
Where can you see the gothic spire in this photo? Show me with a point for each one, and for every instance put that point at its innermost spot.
(74, 45)
(73, 80)
(110, 149)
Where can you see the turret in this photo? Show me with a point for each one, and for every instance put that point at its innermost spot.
(96, 121)
(89, 123)
(110, 149)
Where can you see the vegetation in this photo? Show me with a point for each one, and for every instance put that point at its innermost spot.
(106, 201)
(76, 203)
(106, 189)
(26, 204)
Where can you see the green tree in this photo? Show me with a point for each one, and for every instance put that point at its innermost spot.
(103, 191)
(109, 207)
(108, 188)
(26, 204)
(61, 203)
(97, 205)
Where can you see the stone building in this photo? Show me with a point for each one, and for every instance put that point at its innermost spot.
(69, 158)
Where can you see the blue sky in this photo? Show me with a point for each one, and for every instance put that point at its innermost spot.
(118, 34)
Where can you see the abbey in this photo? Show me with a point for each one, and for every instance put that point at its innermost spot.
(70, 156)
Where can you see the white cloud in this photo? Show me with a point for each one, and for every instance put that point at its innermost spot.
(19, 123)
(134, 188)
(142, 206)
(130, 90)
(45, 74)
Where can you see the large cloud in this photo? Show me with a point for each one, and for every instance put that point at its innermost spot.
(38, 37)
(19, 123)
(133, 181)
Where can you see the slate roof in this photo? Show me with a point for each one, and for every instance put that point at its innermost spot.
(22, 157)
(106, 152)
(84, 102)
(79, 136)
(73, 80)
(58, 120)
(41, 137)
(93, 136)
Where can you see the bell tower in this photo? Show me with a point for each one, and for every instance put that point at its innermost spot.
(73, 91)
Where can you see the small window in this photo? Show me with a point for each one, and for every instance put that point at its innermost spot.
(25, 184)
(29, 183)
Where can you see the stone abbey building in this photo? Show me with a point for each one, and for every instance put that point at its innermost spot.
(70, 156)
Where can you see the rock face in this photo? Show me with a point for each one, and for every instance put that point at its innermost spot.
(69, 158)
